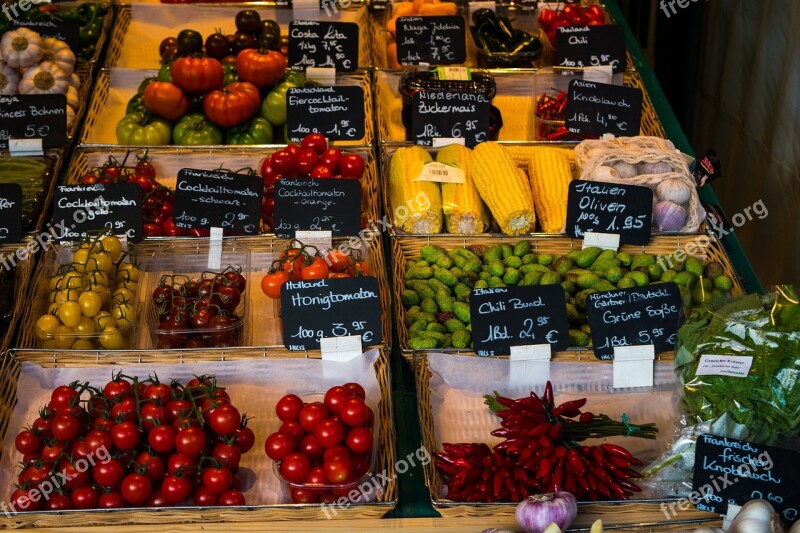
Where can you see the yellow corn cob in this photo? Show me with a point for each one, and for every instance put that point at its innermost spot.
(550, 173)
(416, 205)
(521, 153)
(504, 188)
(464, 212)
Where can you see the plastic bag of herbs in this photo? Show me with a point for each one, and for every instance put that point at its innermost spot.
(762, 407)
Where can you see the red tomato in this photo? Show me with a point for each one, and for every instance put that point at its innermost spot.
(96, 440)
(178, 461)
(217, 480)
(285, 162)
(190, 441)
(227, 455)
(154, 415)
(331, 158)
(161, 393)
(57, 502)
(295, 467)
(76, 478)
(157, 499)
(166, 100)
(262, 69)
(338, 469)
(178, 409)
(125, 436)
(307, 161)
(311, 447)
(314, 141)
(63, 396)
(359, 440)
(312, 414)
(321, 172)
(108, 474)
(356, 390)
(233, 105)
(197, 75)
(84, 497)
(361, 465)
(354, 412)
(302, 495)
(268, 173)
(351, 166)
(244, 439)
(162, 438)
(288, 408)
(293, 429)
(335, 451)
(316, 476)
(231, 498)
(135, 488)
(27, 442)
(154, 467)
(175, 489)
(337, 260)
(335, 397)
(279, 445)
(329, 433)
(111, 500)
(318, 269)
(224, 420)
(204, 497)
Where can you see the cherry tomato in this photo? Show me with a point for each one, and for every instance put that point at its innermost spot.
(329, 433)
(27, 442)
(178, 409)
(108, 474)
(190, 441)
(125, 436)
(161, 393)
(359, 440)
(175, 488)
(314, 141)
(244, 439)
(284, 162)
(224, 420)
(331, 158)
(318, 269)
(351, 166)
(268, 173)
(154, 415)
(154, 467)
(227, 455)
(96, 440)
(75, 478)
(311, 447)
(354, 412)
(312, 414)
(307, 161)
(180, 461)
(335, 397)
(111, 500)
(231, 498)
(303, 495)
(335, 451)
(361, 465)
(84, 497)
(338, 469)
(295, 467)
(162, 438)
(356, 390)
(157, 499)
(204, 497)
(217, 480)
(57, 502)
(63, 396)
(279, 445)
(321, 172)
(117, 389)
(288, 408)
(293, 429)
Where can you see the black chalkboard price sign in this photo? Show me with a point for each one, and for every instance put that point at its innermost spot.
(592, 46)
(438, 40)
(503, 317)
(450, 114)
(598, 108)
(216, 199)
(336, 112)
(634, 317)
(735, 471)
(309, 204)
(335, 307)
(626, 210)
(323, 44)
(10, 212)
(34, 116)
(82, 209)
(63, 30)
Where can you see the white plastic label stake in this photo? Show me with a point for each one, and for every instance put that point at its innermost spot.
(321, 239)
(733, 510)
(633, 366)
(423, 67)
(529, 365)
(307, 10)
(25, 147)
(737, 366)
(441, 173)
(474, 6)
(123, 241)
(438, 142)
(340, 349)
(604, 241)
(599, 74)
(215, 249)
(322, 75)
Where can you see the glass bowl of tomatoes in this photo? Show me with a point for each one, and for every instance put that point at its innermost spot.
(197, 296)
(327, 445)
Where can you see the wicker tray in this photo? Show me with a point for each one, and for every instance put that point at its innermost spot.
(22, 277)
(513, 99)
(263, 314)
(643, 514)
(114, 87)
(169, 160)
(132, 46)
(9, 374)
(404, 248)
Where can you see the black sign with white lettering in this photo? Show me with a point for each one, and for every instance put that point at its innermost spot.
(309, 204)
(335, 307)
(437, 40)
(592, 46)
(323, 44)
(10, 212)
(34, 116)
(735, 471)
(626, 210)
(450, 114)
(216, 199)
(503, 317)
(598, 108)
(336, 112)
(84, 209)
(63, 30)
(635, 317)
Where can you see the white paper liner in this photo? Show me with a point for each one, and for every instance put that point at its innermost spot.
(459, 383)
(255, 386)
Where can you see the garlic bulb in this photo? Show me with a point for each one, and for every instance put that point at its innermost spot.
(626, 170)
(603, 173)
(756, 516)
(669, 216)
(674, 190)
(654, 168)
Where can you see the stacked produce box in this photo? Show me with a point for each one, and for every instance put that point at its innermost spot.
(164, 346)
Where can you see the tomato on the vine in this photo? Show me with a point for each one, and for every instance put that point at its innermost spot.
(135, 488)
(190, 441)
(224, 420)
(317, 269)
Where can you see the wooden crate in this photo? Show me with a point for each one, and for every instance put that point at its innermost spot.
(172, 517)
(404, 248)
(644, 515)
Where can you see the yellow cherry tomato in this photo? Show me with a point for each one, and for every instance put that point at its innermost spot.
(113, 246)
(71, 280)
(122, 296)
(55, 283)
(79, 259)
(85, 328)
(64, 337)
(96, 277)
(90, 303)
(69, 313)
(128, 271)
(46, 326)
(124, 315)
(102, 261)
(103, 320)
(111, 339)
(82, 344)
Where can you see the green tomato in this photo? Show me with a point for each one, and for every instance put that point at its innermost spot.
(140, 129)
(136, 104)
(255, 131)
(195, 129)
(273, 108)
(165, 72)
(229, 75)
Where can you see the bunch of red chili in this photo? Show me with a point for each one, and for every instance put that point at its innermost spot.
(541, 453)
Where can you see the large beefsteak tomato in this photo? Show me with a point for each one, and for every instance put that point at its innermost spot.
(233, 105)
(197, 75)
(165, 100)
(262, 69)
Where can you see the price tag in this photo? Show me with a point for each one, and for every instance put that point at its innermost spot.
(633, 366)
(439, 40)
(323, 44)
(81, 209)
(529, 365)
(336, 112)
(592, 46)
(10, 212)
(214, 198)
(452, 114)
(25, 147)
(441, 173)
(634, 317)
(503, 317)
(63, 30)
(737, 366)
(729, 471)
(335, 307)
(597, 108)
(34, 116)
(317, 205)
(215, 249)
(604, 241)
(626, 210)
(321, 75)
(447, 141)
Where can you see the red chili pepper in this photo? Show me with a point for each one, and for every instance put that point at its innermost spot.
(569, 409)
(586, 418)
(575, 463)
(617, 492)
(555, 432)
(545, 466)
(597, 456)
(497, 484)
(570, 485)
(601, 474)
(629, 485)
(505, 402)
(545, 441)
(528, 452)
(632, 473)
(560, 451)
(619, 451)
(539, 430)
(618, 462)
(548, 394)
